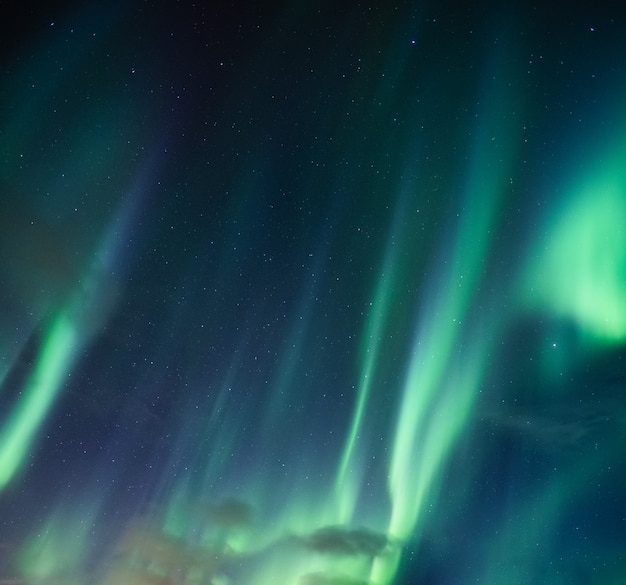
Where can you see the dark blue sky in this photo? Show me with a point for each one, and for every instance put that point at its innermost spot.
(325, 294)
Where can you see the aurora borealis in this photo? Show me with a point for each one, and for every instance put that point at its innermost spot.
(313, 294)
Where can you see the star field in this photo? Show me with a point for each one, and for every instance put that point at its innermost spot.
(313, 294)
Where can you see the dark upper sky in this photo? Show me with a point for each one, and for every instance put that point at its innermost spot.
(326, 294)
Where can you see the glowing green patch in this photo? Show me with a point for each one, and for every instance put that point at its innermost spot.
(581, 271)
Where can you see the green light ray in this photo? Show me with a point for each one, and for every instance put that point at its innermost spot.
(294, 347)
(42, 388)
(373, 336)
(438, 394)
(349, 475)
(433, 438)
(73, 326)
(291, 355)
(437, 337)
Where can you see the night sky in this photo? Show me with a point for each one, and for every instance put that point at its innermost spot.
(313, 293)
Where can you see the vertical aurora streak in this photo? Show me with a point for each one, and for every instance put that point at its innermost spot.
(70, 330)
(19, 434)
(373, 336)
(441, 382)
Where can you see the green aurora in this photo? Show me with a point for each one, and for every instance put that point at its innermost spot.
(334, 312)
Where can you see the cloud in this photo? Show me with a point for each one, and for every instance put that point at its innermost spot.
(231, 512)
(338, 540)
(563, 426)
(328, 579)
